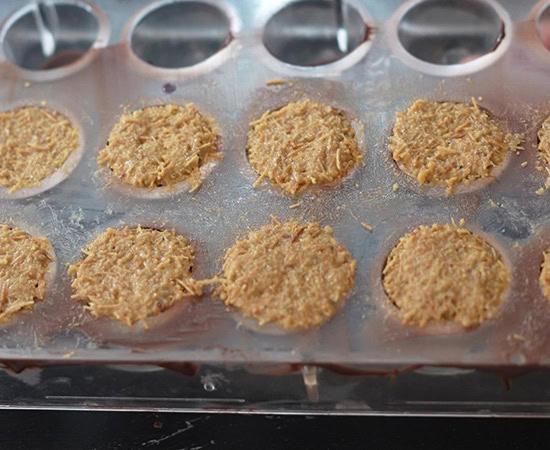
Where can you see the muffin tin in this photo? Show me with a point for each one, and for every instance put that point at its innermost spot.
(220, 56)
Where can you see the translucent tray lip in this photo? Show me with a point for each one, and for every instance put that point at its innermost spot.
(231, 87)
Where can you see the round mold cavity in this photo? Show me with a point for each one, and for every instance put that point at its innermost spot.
(314, 33)
(450, 38)
(543, 26)
(62, 172)
(180, 34)
(51, 36)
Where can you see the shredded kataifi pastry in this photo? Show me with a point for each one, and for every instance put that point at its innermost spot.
(302, 144)
(446, 144)
(24, 262)
(444, 273)
(34, 143)
(161, 146)
(293, 275)
(133, 273)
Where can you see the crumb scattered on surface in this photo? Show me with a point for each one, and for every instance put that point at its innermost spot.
(443, 273)
(302, 144)
(395, 187)
(492, 203)
(275, 82)
(366, 226)
(34, 143)
(524, 164)
(295, 205)
(132, 273)
(296, 276)
(447, 144)
(27, 84)
(161, 146)
(518, 337)
(24, 262)
(540, 191)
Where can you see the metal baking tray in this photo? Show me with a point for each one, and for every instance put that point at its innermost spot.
(219, 55)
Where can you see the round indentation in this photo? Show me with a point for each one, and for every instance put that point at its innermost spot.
(180, 34)
(303, 144)
(442, 274)
(49, 35)
(288, 274)
(450, 32)
(449, 144)
(313, 33)
(39, 146)
(543, 26)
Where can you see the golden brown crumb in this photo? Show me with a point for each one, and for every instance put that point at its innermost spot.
(445, 273)
(302, 144)
(27, 84)
(447, 144)
(34, 143)
(161, 146)
(540, 191)
(293, 275)
(395, 187)
(545, 275)
(24, 262)
(524, 164)
(133, 273)
(366, 226)
(275, 82)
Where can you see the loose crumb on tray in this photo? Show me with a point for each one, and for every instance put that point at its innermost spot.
(275, 82)
(366, 226)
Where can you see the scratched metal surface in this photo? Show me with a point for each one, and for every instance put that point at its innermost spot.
(373, 82)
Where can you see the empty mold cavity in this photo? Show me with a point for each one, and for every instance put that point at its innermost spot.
(313, 33)
(180, 34)
(47, 35)
(543, 26)
(450, 32)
